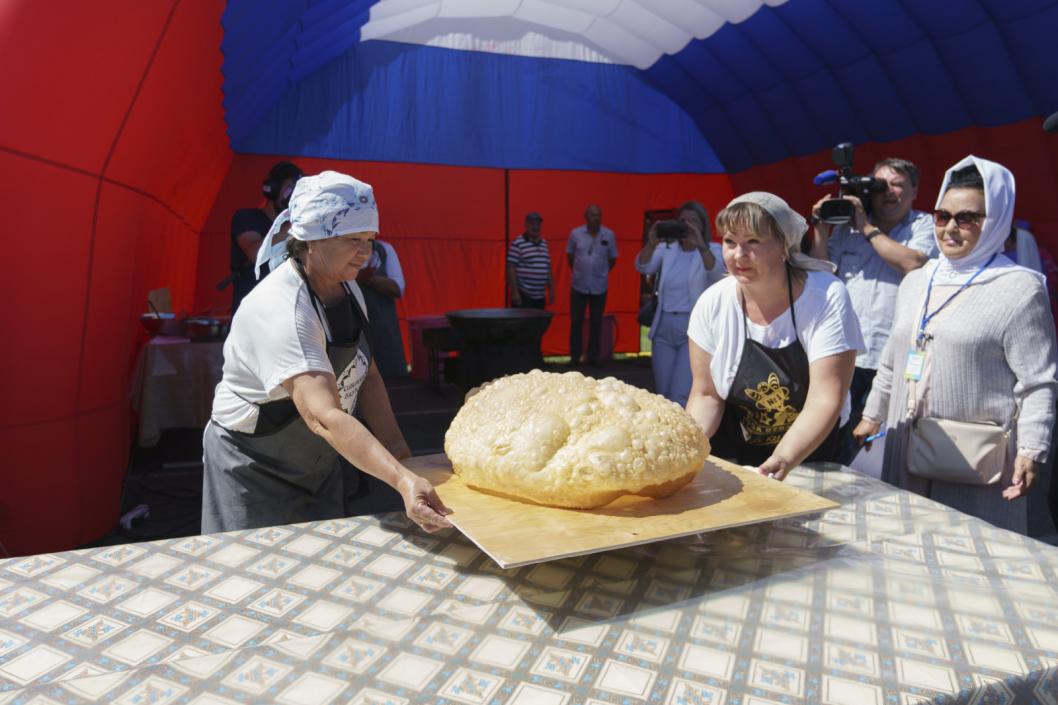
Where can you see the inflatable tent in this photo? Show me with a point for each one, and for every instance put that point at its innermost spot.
(130, 131)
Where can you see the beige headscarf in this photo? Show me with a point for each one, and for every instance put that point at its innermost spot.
(791, 225)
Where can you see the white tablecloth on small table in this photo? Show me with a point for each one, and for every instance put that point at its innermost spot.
(173, 384)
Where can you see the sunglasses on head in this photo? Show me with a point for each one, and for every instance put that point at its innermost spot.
(964, 219)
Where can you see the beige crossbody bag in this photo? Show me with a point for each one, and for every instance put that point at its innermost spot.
(962, 452)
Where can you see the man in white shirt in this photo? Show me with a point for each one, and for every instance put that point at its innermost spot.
(592, 253)
(873, 253)
(382, 283)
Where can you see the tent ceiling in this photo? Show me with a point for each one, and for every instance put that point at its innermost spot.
(630, 32)
(761, 82)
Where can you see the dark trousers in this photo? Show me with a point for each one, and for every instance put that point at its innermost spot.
(530, 301)
(862, 379)
(595, 303)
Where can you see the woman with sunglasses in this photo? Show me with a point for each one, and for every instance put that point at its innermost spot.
(973, 341)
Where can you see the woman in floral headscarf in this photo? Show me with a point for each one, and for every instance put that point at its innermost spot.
(773, 345)
(296, 366)
(973, 341)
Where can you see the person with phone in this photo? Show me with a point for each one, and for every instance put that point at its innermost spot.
(680, 255)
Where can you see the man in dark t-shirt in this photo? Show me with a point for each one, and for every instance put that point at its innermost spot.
(250, 225)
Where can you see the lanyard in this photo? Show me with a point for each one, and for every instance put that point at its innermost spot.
(921, 338)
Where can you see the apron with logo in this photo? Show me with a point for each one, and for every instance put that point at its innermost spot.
(283, 473)
(766, 396)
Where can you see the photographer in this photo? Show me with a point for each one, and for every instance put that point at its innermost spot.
(872, 254)
(687, 263)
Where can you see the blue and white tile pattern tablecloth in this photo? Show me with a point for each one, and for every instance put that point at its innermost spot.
(889, 599)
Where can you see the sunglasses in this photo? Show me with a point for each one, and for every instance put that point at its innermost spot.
(964, 219)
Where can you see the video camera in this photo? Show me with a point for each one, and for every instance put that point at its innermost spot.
(838, 211)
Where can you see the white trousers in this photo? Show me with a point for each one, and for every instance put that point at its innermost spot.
(671, 360)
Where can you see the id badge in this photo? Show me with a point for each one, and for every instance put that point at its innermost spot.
(916, 363)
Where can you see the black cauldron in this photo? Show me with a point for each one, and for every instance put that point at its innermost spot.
(494, 342)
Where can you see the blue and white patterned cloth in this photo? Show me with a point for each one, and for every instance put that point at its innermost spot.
(329, 204)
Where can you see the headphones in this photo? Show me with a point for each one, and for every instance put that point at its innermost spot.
(273, 184)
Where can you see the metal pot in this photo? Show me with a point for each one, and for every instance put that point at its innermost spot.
(162, 324)
(205, 328)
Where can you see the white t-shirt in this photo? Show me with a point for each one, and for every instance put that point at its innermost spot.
(826, 323)
(276, 334)
(676, 294)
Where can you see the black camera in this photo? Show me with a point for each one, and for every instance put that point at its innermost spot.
(671, 230)
(838, 211)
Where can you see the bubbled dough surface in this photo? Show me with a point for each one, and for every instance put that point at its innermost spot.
(572, 441)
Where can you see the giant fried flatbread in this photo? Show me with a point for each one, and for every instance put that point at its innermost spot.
(567, 440)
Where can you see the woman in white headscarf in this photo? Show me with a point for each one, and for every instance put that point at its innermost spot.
(973, 341)
(773, 345)
(296, 366)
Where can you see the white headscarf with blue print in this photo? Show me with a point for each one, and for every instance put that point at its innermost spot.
(326, 205)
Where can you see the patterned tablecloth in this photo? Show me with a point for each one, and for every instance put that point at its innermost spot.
(889, 599)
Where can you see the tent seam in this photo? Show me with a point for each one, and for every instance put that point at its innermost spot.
(98, 198)
(106, 179)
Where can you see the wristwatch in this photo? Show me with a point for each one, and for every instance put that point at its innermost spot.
(871, 235)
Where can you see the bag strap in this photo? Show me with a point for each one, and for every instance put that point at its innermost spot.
(916, 400)
(657, 277)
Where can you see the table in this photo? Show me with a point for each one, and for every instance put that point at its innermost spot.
(173, 384)
(427, 360)
(890, 598)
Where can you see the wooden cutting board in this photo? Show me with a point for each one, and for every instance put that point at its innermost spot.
(517, 533)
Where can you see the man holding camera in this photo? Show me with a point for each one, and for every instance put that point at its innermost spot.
(592, 253)
(873, 253)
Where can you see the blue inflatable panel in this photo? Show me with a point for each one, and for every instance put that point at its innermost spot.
(481, 109)
(788, 80)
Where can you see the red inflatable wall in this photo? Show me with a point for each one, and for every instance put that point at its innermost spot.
(113, 140)
(447, 225)
(1022, 147)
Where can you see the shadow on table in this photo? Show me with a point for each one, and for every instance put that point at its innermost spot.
(703, 572)
(722, 485)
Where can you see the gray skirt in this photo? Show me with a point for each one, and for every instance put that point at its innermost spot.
(244, 488)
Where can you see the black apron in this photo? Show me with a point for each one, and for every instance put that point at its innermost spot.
(766, 396)
(283, 473)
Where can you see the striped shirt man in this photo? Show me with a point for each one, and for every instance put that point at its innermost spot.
(529, 261)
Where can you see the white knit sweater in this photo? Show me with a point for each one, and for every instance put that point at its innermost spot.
(992, 351)
(993, 347)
